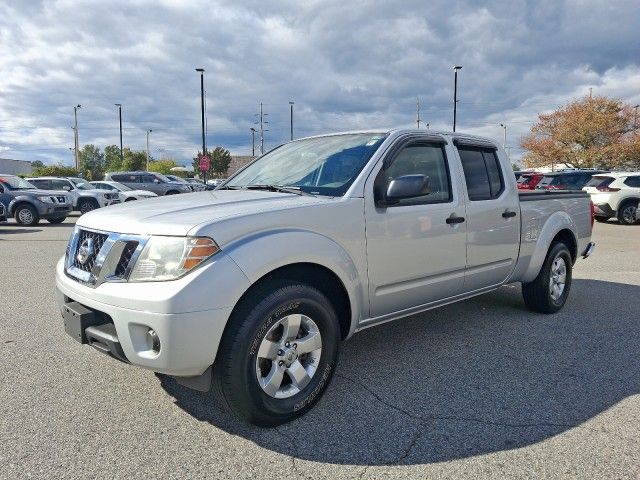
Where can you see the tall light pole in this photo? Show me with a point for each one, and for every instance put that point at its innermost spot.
(504, 141)
(75, 131)
(455, 94)
(291, 119)
(635, 116)
(119, 105)
(204, 145)
(253, 142)
(148, 132)
(418, 111)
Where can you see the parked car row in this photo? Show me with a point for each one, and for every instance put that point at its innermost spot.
(614, 194)
(150, 181)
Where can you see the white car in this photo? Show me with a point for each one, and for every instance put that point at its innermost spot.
(615, 195)
(126, 194)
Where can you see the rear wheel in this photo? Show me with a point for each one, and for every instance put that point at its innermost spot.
(26, 215)
(602, 219)
(628, 213)
(278, 354)
(86, 205)
(56, 220)
(172, 192)
(548, 292)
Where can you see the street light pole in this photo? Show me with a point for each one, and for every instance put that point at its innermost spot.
(455, 94)
(635, 116)
(204, 145)
(76, 139)
(504, 142)
(148, 132)
(120, 117)
(253, 142)
(291, 119)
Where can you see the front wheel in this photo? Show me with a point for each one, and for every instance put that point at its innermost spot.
(548, 292)
(278, 355)
(87, 205)
(27, 215)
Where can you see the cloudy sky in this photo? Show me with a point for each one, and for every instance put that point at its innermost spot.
(346, 64)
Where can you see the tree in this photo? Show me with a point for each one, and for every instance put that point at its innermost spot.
(591, 132)
(37, 164)
(91, 162)
(112, 160)
(163, 165)
(58, 170)
(135, 160)
(220, 159)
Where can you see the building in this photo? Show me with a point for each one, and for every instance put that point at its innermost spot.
(237, 162)
(9, 166)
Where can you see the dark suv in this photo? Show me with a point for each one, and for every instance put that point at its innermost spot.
(28, 205)
(569, 180)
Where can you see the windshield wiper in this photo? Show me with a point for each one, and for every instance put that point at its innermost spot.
(280, 188)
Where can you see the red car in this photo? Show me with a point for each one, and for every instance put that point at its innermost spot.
(528, 181)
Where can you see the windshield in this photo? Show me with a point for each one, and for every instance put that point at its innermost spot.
(175, 178)
(17, 183)
(321, 166)
(81, 184)
(162, 178)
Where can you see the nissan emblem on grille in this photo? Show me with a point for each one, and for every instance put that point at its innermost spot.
(85, 251)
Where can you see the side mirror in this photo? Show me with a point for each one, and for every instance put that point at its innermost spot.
(406, 186)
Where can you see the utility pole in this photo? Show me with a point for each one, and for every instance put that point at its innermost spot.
(75, 131)
(590, 92)
(148, 132)
(418, 112)
(120, 116)
(291, 119)
(635, 117)
(455, 94)
(262, 129)
(253, 142)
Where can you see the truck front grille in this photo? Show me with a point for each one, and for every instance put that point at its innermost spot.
(87, 249)
(125, 259)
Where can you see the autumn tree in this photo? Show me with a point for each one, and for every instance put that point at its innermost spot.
(590, 132)
(163, 165)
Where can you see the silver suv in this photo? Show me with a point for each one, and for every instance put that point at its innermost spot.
(151, 181)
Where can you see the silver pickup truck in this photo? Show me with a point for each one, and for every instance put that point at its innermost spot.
(252, 287)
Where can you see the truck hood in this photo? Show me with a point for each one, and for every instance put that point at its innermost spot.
(178, 214)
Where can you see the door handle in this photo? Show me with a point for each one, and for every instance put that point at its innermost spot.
(453, 219)
(508, 214)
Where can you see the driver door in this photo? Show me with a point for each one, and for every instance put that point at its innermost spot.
(416, 249)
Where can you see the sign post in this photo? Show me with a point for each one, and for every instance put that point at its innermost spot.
(205, 165)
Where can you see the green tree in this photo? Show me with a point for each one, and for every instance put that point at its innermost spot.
(58, 170)
(163, 165)
(220, 161)
(37, 164)
(135, 160)
(91, 162)
(112, 160)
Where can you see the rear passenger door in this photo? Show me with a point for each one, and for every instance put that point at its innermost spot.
(492, 216)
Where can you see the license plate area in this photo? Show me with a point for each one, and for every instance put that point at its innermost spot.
(77, 318)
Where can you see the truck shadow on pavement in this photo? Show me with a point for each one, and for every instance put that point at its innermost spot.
(476, 377)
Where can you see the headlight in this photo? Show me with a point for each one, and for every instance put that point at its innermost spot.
(168, 258)
(44, 199)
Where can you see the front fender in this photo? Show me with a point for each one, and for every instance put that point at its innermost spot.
(264, 252)
(557, 222)
(21, 199)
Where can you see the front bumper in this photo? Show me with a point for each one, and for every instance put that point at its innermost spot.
(52, 210)
(181, 313)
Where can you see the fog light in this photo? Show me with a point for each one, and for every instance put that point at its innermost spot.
(153, 340)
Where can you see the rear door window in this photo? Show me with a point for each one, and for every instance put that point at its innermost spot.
(40, 183)
(57, 184)
(482, 173)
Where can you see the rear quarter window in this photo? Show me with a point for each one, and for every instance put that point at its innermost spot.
(599, 181)
(633, 182)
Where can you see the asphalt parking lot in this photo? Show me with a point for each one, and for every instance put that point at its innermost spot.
(483, 388)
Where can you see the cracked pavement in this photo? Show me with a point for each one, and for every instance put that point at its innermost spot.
(479, 389)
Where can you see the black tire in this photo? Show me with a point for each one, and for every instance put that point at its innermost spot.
(602, 219)
(235, 376)
(85, 205)
(26, 215)
(537, 294)
(628, 213)
(56, 220)
(172, 192)
(130, 199)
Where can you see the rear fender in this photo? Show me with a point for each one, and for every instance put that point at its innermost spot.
(557, 222)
